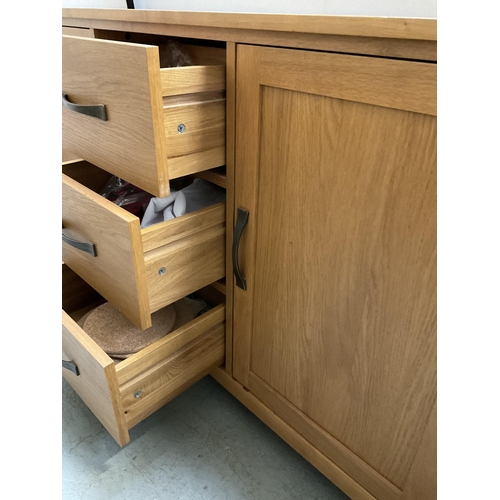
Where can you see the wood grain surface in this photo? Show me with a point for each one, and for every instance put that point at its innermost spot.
(118, 271)
(385, 27)
(94, 72)
(192, 79)
(189, 263)
(336, 332)
(167, 232)
(204, 123)
(410, 86)
(180, 358)
(96, 384)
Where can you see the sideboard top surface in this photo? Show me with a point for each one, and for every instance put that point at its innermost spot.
(356, 26)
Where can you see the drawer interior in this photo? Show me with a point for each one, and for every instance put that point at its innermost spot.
(95, 179)
(146, 380)
(201, 51)
(187, 66)
(79, 298)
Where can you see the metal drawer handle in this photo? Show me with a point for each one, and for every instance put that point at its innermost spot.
(71, 366)
(241, 222)
(80, 245)
(95, 110)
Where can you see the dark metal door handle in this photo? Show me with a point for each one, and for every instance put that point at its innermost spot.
(84, 246)
(241, 222)
(71, 366)
(95, 110)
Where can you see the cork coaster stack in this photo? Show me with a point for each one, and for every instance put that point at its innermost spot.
(119, 338)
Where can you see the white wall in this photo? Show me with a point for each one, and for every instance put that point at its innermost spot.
(393, 8)
(96, 4)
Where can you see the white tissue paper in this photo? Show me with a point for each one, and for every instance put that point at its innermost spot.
(198, 195)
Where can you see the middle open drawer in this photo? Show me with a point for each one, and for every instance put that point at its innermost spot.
(138, 270)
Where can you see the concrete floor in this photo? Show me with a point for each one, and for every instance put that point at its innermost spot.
(203, 445)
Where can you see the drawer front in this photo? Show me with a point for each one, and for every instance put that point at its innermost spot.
(117, 269)
(189, 264)
(125, 78)
(123, 394)
(95, 381)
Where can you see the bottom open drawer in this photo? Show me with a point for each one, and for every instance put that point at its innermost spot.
(123, 394)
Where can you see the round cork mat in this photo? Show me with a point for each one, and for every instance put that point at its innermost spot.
(184, 314)
(119, 337)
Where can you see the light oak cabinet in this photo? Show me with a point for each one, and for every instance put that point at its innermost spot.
(326, 324)
(336, 329)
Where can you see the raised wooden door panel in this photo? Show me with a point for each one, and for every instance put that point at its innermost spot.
(336, 331)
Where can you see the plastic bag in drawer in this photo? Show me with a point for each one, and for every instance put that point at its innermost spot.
(174, 54)
(127, 196)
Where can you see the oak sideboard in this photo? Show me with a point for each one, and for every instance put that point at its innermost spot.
(320, 266)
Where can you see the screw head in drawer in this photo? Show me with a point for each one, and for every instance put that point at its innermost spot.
(181, 128)
(161, 271)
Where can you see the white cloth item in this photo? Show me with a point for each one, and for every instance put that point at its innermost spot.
(161, 209)
(199, 194)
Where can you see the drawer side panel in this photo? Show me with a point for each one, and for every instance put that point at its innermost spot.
(126, 79)
(117, 271)
(96, 383)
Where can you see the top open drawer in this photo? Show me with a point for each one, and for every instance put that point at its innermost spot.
(138, 121)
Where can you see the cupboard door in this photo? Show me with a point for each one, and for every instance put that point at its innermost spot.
(336, 330)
